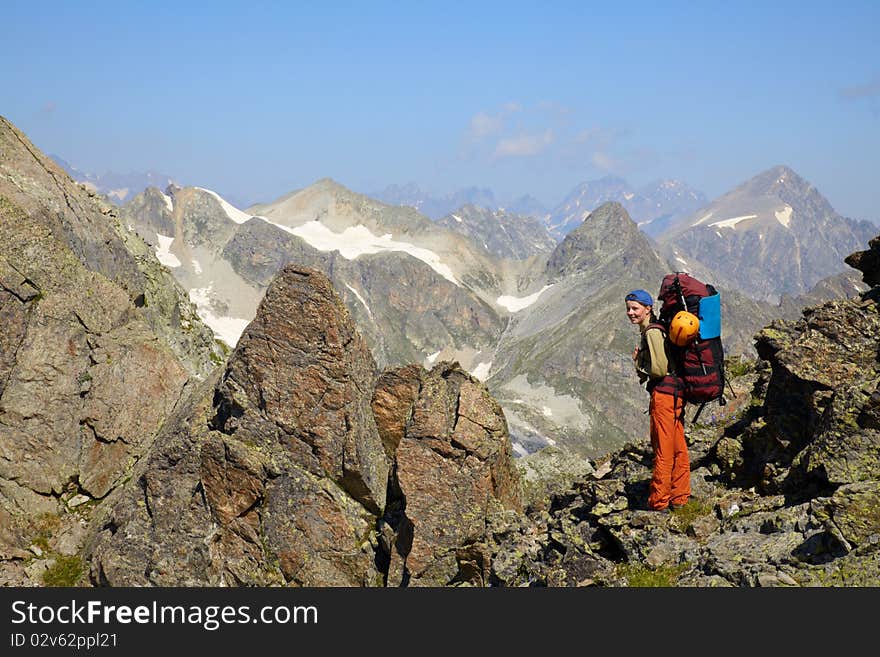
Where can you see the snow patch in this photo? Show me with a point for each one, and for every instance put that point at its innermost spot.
(481, 371)
(546, 411)
(163, 251)
(732, 222)
(228, 329)
(197, 268)
(360, 298)
(433, 357)
(168, 202)
(784, 216)
(519, 449)
(231, 211)
(681, 260)
(514, 304)
(358, 240)
(702, 219)
(457, 218)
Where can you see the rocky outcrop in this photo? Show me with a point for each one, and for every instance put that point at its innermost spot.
(453, 469)
(867, 262)
(97, 346)
(303, 375)
(278, 473)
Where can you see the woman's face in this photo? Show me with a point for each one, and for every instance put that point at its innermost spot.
(636, 311)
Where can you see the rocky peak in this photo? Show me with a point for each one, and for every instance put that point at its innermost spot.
(607, 233)
(503, 233)
(98, 347)
(300, 372)
(608, 186)
(783, 183)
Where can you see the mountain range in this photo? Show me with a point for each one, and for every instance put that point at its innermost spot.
(529, 305)
(544, 331)
(653, 207)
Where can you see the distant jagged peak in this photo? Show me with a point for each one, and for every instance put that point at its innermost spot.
(784, 183)
(328, 184)
(606, 185)
(610, 216)
(608, 232)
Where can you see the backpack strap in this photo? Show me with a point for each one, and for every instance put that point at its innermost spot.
(671, 384)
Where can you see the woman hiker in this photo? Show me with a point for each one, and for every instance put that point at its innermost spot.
(671, 481)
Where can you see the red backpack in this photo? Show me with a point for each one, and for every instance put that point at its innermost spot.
(700, 364)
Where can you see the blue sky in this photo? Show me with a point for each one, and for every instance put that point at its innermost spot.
(257, 99)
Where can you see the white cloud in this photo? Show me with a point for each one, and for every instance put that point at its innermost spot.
(589, 134)
(869, 89)
(524, 145)
(482, 126)
(603, 161)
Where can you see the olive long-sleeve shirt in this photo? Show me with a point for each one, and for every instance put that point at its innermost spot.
(652, 359)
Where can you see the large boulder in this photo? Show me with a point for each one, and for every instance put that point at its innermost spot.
(453, 469)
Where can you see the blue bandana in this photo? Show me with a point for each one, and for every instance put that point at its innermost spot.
(641, 296)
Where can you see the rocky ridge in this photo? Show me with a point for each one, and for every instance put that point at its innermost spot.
(98, 344)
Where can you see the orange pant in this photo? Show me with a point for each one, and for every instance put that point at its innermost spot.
(671, 483)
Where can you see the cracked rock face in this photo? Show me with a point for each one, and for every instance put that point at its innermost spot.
(453, 469)
(303, 373)
(86, 377)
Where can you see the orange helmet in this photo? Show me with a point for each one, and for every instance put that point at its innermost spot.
(684, 328)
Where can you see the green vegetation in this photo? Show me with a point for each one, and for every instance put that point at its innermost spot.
(44, 526)
(637, 575)
(739, 366)
(683, 518)
(66, 571)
